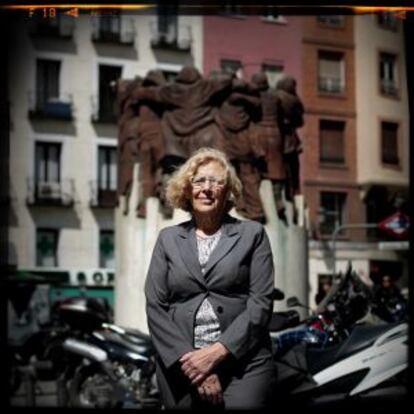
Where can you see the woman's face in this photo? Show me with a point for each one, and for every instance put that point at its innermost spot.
(209, 188)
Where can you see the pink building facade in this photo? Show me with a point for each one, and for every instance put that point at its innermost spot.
(256, 42)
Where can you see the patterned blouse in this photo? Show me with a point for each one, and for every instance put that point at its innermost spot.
(207, 326)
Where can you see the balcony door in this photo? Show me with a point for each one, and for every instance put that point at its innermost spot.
(107, 94)
(167, 22)
(107, 175)
(47, 170)
(47, 82)
(47, 162)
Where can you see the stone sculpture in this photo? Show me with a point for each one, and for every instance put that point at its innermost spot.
(161, 124)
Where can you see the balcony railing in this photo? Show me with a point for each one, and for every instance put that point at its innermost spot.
(50, 193)
(178, 37)
(59, 27)
(53, 108)
(389, 87)
(124, 35)
(101, 115)
(102, 197)
(331, 85)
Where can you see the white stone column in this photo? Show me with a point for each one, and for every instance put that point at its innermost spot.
(130, 262)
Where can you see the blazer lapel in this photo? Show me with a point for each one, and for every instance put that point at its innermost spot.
(228, 239)
(187, 245)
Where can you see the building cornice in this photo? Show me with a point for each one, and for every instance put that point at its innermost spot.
(329, 112)
(337, 44)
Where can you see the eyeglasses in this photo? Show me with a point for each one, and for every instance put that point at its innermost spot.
(215, 182)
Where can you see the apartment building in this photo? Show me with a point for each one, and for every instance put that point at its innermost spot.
(63, 138)
(382, 127)
(247, 44)
(355, 142)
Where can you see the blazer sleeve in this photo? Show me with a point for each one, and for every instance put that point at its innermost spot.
(167, 338)
(246, 331)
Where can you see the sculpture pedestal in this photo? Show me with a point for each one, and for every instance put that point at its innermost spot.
(289, 246)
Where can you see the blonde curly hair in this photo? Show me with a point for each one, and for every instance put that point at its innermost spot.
(178, 191)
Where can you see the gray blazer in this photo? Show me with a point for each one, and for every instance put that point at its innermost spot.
(238, 282)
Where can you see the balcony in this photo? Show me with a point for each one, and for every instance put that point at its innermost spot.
(53, 108)
(61, 27)
(102, 197)
(50, 193)
(103, 114)
(332, 85)
(175, 37)
(389, 88)
(122, 35)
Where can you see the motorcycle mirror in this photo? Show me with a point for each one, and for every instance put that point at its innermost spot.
(292, 301)
(277, 294)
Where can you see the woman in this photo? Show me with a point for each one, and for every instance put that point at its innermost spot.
(209, 294)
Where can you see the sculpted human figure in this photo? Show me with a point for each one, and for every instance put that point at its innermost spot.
(127, 133)
(266, 139)
(188, 122)
(151, 146)
(190, 125)
(292, 118)
(233, 118)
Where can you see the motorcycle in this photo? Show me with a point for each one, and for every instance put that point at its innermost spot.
(350, 356)
(109, 367)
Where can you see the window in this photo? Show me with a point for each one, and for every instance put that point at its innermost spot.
(389, 143)
(331, 72)
(332, 211)
(273, 72)
(61, 26)
(388, 74)
(107, 94)
(45, 26)
(47, 82)
(232, 67)
(46, 247)
(107, 249)
(230, 9)
(169, 75)
(47, 185)
(107, 168)
(272, 15)
(332, 147)
(48, 102)
(387, 20)
(47, 162)
(167, 23)
(331, 20)
(109, 27)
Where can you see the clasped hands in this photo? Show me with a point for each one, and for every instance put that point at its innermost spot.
(198, 366)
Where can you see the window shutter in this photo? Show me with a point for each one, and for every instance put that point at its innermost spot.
(332, 142)
(389, 132)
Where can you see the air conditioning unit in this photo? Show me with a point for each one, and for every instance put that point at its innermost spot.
(91, 277)
(50, 190)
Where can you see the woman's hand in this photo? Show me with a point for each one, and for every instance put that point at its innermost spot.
(210, 390)
(197, 365)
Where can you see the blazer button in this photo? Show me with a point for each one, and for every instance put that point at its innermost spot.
(219, 309)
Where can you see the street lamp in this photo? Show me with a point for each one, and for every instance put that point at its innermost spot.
(324, 213)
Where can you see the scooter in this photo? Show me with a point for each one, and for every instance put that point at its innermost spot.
(361, 357)
(110, 367)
